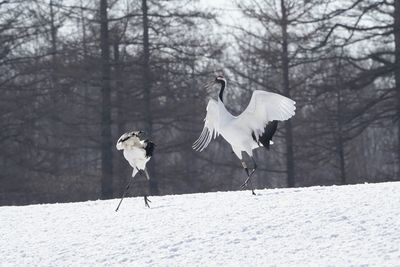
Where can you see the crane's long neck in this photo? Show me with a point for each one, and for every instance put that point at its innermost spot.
(221, 91)
(224, 115)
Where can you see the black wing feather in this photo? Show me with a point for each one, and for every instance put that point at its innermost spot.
(268, 133)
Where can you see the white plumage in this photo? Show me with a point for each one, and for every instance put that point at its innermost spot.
(137, 152)
(134, 150)
(251, 129)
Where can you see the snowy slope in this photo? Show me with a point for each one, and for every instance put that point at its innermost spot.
(317, 226)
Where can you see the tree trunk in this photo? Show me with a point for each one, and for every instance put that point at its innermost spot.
(340, 148)
(286, 92)
(397, 75)
(121, 171)
(53, 32)
(106, 143)
(83, 25)
(153, 183)
(85, 77)
(340, 142)
(54, 94)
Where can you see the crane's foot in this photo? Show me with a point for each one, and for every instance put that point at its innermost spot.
(146, 201)
(245, 185)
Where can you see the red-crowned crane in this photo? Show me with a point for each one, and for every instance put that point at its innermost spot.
(254, 128)
(137, 152)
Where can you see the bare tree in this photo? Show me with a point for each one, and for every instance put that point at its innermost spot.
(279, 42)
(377, 22)
(106, 141)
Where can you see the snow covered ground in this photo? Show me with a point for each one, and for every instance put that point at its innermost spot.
(317, 226)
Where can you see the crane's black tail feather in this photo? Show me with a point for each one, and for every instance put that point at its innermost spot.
(149, 148)
(269, 132)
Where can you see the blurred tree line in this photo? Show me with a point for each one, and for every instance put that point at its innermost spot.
(77, 74)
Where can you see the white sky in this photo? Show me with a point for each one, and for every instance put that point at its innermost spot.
(226, 10)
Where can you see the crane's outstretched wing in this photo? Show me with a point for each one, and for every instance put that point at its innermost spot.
(265, 107)
(210, 129)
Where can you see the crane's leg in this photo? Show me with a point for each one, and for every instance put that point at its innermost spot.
(249, 174)
(147, 174)
(135, 170)
(146, 200)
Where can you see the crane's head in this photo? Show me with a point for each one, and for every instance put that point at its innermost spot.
(127, 136)
(220, 79)
(137, 133)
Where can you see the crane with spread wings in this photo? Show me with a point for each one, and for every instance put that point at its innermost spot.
(254, 128)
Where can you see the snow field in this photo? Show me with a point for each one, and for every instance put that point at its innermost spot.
(356, 225)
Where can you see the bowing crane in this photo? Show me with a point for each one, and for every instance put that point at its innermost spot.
(137, 152)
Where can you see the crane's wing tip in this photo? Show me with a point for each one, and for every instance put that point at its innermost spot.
(197, 148)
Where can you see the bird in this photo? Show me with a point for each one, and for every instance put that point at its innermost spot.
(137, 152)
(252, 129)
